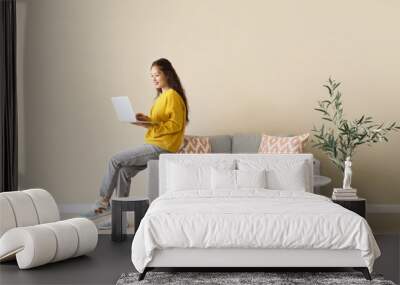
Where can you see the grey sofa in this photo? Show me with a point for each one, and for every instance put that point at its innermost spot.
(236, 143)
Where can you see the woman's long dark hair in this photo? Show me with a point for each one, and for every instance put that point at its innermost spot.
(173, 80)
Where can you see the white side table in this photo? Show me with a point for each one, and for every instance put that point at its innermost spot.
(319, 181)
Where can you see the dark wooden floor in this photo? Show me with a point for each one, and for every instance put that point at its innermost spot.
(110, 260)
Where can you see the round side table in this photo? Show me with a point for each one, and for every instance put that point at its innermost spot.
(319, 181)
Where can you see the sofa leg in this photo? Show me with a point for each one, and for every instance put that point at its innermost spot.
(364, 271)
(143, 274)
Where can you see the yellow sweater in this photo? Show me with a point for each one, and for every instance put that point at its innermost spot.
(169, 114)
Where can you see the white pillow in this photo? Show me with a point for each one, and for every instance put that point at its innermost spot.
(223, 178)
(281, 175)
(188, 175)
(184, 177)
(251, 178)
(236, 179)
(293, 179)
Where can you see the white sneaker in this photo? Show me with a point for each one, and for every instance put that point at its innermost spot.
(105, 225)
(93, 214)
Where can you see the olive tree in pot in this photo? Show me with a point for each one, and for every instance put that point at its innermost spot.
(340, 137)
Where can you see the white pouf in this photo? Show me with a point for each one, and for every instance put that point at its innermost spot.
(27, 208)
(6, 216)
(41, 244)
(31, 233)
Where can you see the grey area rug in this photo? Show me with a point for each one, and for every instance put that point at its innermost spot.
(273, 278)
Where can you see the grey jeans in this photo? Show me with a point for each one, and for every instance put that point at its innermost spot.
(125, 165)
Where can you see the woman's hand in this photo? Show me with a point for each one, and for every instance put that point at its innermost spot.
(142, 117)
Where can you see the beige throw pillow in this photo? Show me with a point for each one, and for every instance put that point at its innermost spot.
(195, 144)
(273, 144)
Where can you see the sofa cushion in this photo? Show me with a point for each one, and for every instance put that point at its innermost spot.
(245, 143)
(280, 145)
(221, 143)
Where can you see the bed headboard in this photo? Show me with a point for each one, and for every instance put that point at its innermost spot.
(216, 158)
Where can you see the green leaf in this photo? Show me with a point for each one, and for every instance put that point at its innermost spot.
(321, 110)
(329, 89)
(360, 120)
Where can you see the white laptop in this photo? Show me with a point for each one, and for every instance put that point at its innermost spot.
(124, 110)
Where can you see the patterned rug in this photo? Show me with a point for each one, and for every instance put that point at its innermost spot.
(243, 278)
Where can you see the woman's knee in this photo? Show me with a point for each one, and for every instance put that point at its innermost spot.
(115, 160)
(122, 159)
(132, 157)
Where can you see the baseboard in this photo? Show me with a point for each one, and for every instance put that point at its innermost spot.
(383, 208)
(74, 208)
(371, 208)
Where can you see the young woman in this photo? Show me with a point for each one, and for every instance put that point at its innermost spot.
(168, 117)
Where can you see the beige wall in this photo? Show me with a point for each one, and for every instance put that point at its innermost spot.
(248, 66)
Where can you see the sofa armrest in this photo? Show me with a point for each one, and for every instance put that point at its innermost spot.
(152, 179)
(316, 171)
(316, 166)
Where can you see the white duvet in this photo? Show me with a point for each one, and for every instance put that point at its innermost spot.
(250, 218)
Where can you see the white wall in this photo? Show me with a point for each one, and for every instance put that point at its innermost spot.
(248, 66)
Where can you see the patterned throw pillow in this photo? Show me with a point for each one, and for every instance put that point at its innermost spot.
(272, 144)
(195, 144)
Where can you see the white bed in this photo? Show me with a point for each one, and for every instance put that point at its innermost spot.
(192, 224)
